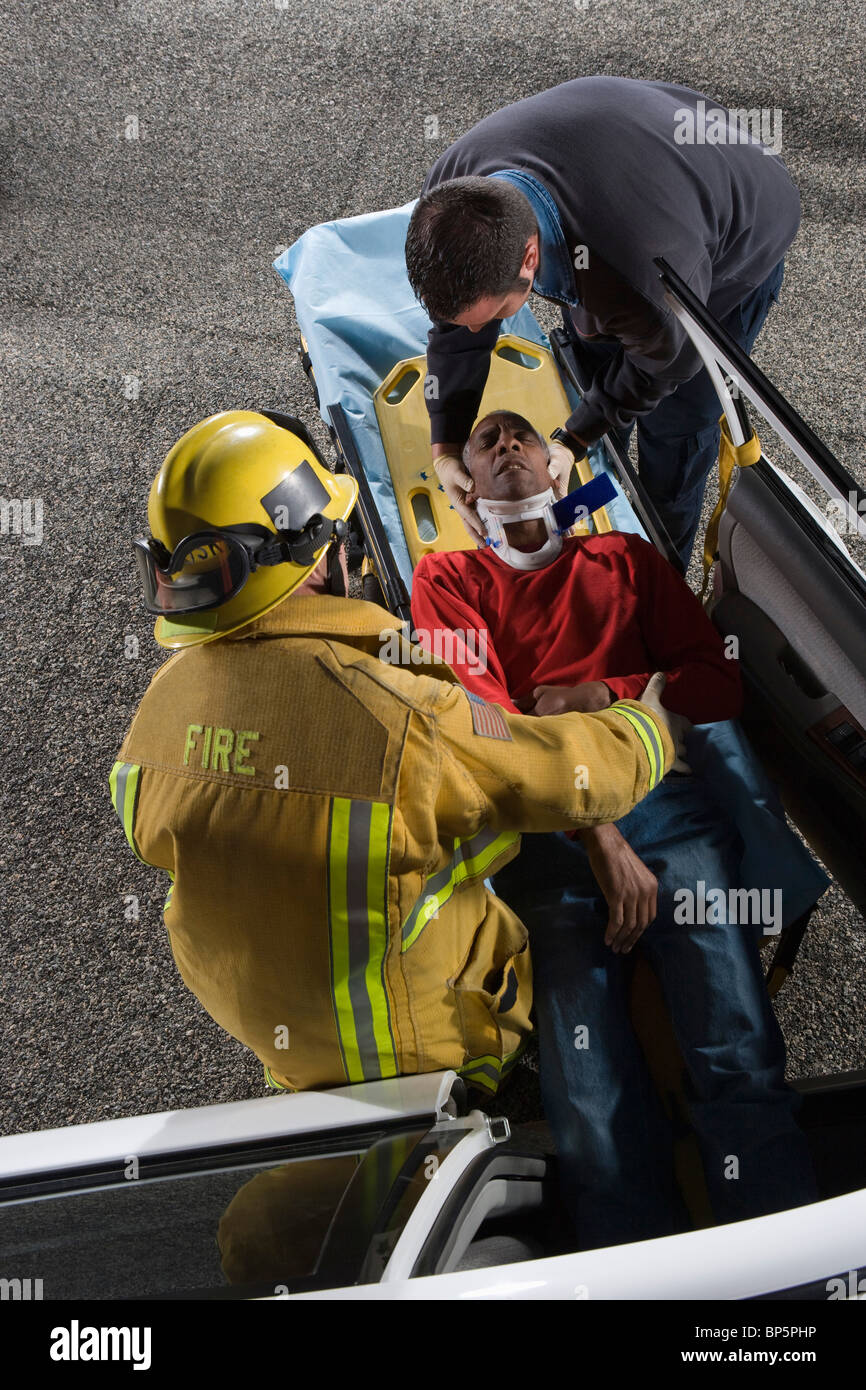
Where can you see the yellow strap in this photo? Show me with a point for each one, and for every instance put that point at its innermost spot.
(730, 455)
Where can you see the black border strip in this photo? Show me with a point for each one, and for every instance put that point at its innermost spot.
(396, 595)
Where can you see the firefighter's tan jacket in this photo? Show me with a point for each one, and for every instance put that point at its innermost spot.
(328, 820)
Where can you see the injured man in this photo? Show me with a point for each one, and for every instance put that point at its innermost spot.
(574, 623)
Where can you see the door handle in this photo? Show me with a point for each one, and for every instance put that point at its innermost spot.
(801, 673)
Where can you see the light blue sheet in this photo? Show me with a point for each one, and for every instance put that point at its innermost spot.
(359, 317)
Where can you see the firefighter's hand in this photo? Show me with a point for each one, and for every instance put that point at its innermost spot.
(630, 889)
(677, 725)
(460, 491)
(587, 698)
(559, 467)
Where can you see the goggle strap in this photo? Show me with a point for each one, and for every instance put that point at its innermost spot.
(298, 546)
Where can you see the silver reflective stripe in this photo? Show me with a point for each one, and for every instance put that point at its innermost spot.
(357, 864)
(470, 849)
(122, 778)
(124, 781)
(489, 1071)
(359, 839)
(653, 734)
(471, 857)
(648, 735)
(474, 1072)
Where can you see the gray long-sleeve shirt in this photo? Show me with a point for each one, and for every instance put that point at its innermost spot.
(614, 154)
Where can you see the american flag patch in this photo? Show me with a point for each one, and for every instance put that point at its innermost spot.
(487, 720)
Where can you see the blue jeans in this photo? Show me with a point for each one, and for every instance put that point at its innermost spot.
(678, 442)
(612, 1136)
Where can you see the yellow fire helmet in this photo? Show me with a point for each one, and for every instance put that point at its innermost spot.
(241, 512)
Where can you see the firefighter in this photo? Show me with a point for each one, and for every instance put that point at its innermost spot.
(327, 818)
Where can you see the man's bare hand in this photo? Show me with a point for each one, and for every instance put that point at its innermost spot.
(460, 489)
(676, 724)
(630, 889)
(587, 698)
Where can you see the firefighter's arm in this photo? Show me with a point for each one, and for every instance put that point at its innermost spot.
(519, 772)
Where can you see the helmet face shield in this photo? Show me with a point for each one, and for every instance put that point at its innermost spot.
(205, 570)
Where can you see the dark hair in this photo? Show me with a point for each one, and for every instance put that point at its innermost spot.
(465, 242)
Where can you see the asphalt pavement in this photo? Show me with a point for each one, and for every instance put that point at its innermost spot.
(153, 159)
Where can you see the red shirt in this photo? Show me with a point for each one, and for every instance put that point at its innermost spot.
(609, 608)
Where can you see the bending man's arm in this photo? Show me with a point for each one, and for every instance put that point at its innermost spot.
(458, 364)
(656, 354)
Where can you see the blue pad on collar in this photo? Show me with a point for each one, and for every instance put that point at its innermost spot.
(587, 499)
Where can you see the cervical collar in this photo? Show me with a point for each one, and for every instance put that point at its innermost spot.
(497, 515)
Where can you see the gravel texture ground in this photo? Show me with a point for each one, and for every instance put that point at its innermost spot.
(138, 297)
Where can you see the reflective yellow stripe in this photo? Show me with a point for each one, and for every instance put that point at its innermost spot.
(471, 859)
(640, 726)
(489, 1071)
(124, 783)
(650, 728)
(338, 840)
(377, 917)
(271, 1081)
(359, 842)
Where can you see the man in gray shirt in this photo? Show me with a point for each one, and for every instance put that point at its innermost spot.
(573, 193)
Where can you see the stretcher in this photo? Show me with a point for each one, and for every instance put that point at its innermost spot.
(364, 339)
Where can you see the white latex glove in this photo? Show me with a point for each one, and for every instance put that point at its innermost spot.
(677, 725)
(460, 489)
(560, 466)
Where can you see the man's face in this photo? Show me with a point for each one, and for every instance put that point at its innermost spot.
(506, 459)
(483, 311)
